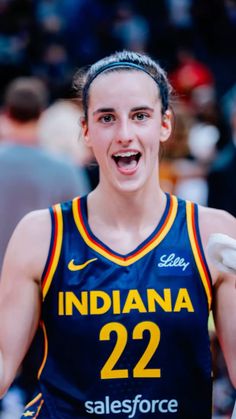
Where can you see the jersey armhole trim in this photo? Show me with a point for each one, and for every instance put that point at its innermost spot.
(42, 325)
(55, 248)
(197, 249)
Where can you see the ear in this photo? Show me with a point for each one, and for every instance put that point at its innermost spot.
(84, 125)
(166, 126)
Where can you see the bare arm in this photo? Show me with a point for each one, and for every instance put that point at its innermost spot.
(224, 292)
(20, 291)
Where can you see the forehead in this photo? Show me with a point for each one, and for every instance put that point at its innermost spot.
(120, 86)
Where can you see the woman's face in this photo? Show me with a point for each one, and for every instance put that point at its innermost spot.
(125, 127)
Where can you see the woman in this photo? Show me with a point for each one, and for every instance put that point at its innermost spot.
(123, 294)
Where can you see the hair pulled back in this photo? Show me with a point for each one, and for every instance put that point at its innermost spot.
(121, 61)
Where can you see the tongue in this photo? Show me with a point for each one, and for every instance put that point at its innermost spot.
(127, 163)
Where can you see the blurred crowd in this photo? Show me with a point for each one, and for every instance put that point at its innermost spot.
(49, 38)
(43, 159)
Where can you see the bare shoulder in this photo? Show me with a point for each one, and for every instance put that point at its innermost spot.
(29, 245)
(35, 222)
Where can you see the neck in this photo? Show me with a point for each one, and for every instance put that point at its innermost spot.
(25, 133)
(124, 210)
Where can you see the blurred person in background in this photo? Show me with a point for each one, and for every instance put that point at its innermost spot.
(17, 32)
(189, 73)
(208, 130)
(207, 133)
(185, 159)
(90, 22)
(222, 174)
(130, 30)
(60, 133)
(180, 20)
(30, 178)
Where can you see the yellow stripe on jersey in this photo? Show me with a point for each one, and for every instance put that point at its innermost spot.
(36, 398)
(45, 349)
(197, 252)
(39, 408)
(55, 254)
(126, 261)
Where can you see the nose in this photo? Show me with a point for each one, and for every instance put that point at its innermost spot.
(124, 133)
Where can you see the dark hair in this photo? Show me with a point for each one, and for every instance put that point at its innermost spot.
(124, 60)
(25, 98)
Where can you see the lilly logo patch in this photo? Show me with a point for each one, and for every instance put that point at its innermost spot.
(173, 261)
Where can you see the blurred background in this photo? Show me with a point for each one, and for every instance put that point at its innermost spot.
(43, 43)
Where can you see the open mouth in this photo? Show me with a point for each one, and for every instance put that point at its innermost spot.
(127, 159)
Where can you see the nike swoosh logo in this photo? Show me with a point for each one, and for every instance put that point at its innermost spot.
(73, 267)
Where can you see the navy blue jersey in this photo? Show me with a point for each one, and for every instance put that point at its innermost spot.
(126, 336)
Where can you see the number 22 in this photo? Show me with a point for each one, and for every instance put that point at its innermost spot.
(140, 369)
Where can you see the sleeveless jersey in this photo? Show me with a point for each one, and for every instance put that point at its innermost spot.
(125, 336)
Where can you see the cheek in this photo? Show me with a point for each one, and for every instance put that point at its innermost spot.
(98, 144)
(153, 137)
(99, 137)
(91, 136)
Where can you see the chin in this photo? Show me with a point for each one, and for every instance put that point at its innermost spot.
(129, 186)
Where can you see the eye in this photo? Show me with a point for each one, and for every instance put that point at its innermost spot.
(141, 116)
(105, 119)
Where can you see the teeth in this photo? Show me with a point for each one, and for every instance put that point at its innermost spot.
(126, 154)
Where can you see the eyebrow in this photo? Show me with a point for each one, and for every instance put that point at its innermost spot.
(135, 109)
(141, 108)
(101, 110)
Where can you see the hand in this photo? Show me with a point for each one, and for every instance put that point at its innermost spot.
(222, 252)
